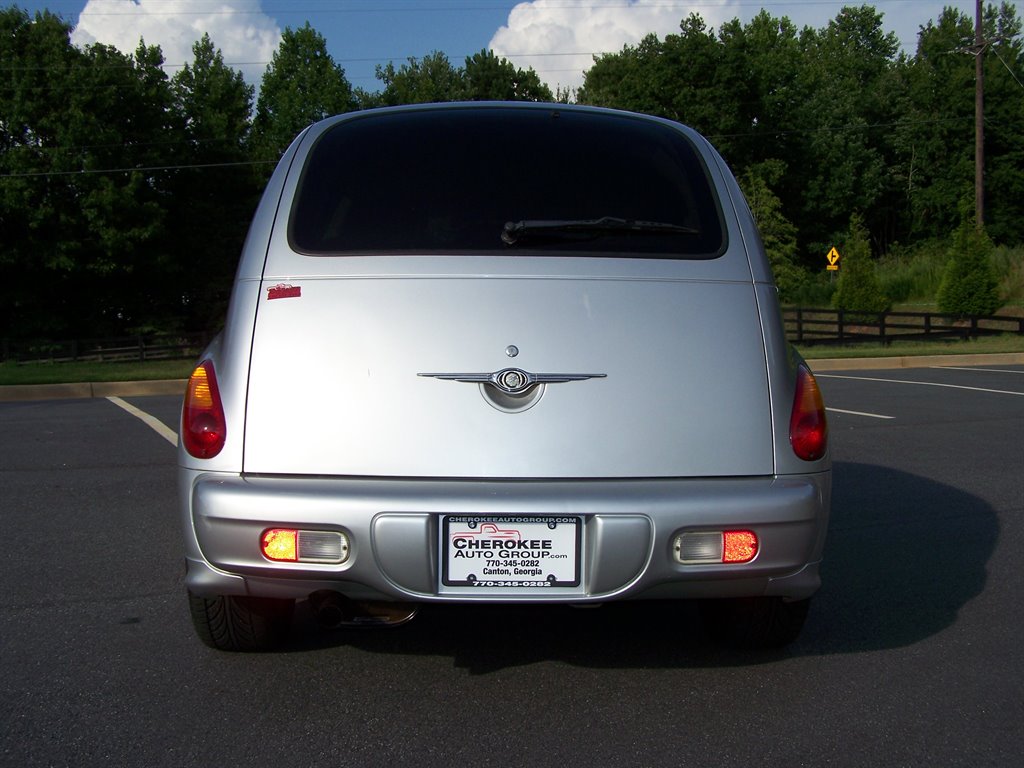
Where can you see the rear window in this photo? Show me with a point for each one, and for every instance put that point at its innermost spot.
(450, 180)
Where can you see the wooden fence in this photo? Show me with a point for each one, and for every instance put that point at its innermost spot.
(114, 350)
(838, 326)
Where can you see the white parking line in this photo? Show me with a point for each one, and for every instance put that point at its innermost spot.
(987, 370)
(860, 413)
(922, 383)
(158, 426)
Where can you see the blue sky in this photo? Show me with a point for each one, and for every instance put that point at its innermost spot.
(556, 37)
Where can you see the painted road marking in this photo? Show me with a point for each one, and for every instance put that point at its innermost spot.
(158, 426)
(987, 370)
(922, 383)
(860, 413)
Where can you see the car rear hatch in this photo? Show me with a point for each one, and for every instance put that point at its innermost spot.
(337, 384)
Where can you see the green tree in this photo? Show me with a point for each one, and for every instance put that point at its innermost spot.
(38, 60)
(936, 139)
(969, 285)
(489, 78)
(214, 190)
(302, 85)
(936, 136)
(674, 78)
(846, 157)
(617, 79)
(216, 103)
(82, 198)
(433, 78)
(759, 67)
(122, 118)
(420, 81)
(858, 287)
(1004, 126)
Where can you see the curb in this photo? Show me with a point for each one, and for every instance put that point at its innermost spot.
(85, 390)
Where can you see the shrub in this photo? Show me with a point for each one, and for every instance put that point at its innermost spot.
(858, 287)
(969, 285)
(815, 291)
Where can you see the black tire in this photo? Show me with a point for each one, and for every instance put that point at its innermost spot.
(754, 622)
(230, 623)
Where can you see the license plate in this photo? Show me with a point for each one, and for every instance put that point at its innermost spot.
(491, 552)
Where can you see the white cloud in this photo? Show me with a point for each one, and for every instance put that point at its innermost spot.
(246, 36)
(559, 38)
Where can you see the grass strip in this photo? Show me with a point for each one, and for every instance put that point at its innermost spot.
(73, 373)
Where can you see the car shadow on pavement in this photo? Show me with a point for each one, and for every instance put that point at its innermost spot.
(904, 554)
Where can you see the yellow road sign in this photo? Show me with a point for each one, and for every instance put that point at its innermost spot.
(833, 260)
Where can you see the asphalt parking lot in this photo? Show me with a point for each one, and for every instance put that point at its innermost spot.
(911, 654)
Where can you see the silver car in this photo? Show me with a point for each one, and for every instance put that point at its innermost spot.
(497, 353)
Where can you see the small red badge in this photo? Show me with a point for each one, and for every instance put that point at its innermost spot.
(284, 291)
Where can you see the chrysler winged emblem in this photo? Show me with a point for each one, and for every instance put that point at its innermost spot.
(514, 381)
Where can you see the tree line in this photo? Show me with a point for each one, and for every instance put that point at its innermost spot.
(125, 193)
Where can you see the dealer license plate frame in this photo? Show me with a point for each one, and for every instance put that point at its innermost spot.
(560, 562)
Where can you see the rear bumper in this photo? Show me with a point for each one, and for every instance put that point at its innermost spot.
(393, 528)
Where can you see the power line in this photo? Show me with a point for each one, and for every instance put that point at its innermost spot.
(126, 142)
(1001, 61)
(134, 169)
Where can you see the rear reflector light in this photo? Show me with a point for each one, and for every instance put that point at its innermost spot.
(322, 547)
(696, 547)
(286, 545)
(808, 429)
(203, 427)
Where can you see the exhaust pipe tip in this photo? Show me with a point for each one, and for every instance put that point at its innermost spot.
(333, 610)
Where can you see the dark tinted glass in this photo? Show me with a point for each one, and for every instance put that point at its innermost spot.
(448, 180)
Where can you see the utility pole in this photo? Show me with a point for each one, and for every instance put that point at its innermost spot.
(979, 119)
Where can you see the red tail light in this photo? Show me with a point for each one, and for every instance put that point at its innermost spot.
(203, 428)
(808, 430)
(739, 546)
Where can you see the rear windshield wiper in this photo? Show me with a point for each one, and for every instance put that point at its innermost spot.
(514, 231)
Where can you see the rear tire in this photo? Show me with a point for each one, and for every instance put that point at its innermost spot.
(230, 623)
(754, 622)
